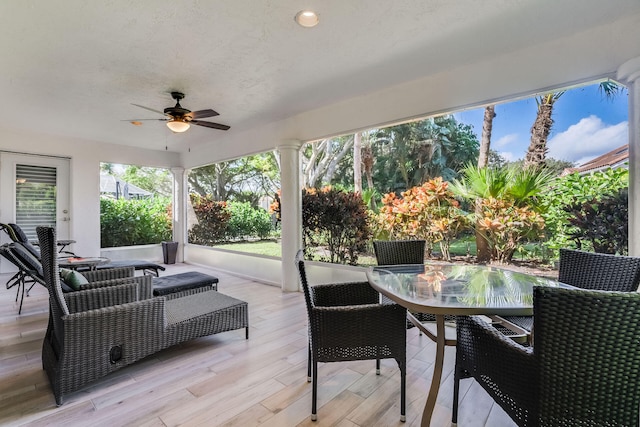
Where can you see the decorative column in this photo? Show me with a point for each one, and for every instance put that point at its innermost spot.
(629, 75)
(179, 210)
(291, 211)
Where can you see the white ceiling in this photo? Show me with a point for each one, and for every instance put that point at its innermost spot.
(73, 68)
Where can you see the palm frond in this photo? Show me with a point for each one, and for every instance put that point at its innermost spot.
(609, 89)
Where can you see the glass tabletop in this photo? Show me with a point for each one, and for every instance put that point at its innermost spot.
(458, 289)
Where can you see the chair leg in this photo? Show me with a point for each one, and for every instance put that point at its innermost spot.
(309, 365)
(403, 393)
(314, 392)
(20, 292)
(15, 279)
(377, 366)
(31, 287)
(456, 393)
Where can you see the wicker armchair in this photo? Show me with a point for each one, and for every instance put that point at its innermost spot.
(82, 345)
(347, 322)
(593, 380)
(589, 270)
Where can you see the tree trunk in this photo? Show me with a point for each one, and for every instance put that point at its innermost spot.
(483, 251)
(487, 128)
(537, 151)
(367, 164)
(321, 166)
(357, 162)
(219, 184)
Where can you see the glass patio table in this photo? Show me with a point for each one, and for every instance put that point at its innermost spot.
(447, 289)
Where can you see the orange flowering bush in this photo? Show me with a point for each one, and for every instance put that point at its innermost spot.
(505, 225)
(428, 212)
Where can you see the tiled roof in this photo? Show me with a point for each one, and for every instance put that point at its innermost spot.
(110, 184)
(611, 159)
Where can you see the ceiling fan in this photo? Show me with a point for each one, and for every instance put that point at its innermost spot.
(179, 119)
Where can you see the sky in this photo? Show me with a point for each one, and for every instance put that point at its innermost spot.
(586, 125)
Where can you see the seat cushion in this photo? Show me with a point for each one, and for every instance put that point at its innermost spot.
(192, 306)
(181, 282)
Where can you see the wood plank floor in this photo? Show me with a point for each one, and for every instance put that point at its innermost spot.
(225, 380)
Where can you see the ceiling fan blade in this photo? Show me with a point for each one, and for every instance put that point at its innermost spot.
(201, 114)
(210, 125)
(141, 120)
(150, 109)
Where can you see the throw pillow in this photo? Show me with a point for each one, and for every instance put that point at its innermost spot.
(73, 279)
(65, 287)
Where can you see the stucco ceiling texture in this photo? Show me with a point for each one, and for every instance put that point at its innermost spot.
(73, 68)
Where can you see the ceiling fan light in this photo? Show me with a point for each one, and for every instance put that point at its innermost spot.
(178, 125)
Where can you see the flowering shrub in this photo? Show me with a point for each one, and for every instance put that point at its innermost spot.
(505, 225)
(213, 217)
(428, 212)
(335, 220)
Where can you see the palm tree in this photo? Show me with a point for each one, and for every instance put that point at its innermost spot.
(537, 150)
(516, 186)
(483, 251)
(540, 130)
(485, 142)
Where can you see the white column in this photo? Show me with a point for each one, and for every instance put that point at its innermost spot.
(179, 211)
(629, 74)
(291, 211)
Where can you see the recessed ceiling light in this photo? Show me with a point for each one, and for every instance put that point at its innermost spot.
(307, 18)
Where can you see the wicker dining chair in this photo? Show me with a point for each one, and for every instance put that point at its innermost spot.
(582, 370)
(407, 252)
(590, 270)
(115, 326)
(398, 252)
(347, 322)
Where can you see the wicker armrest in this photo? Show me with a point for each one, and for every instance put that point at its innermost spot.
(340, 294)
(145, 285)
(109, 273)
(92, 299)
(500, 360)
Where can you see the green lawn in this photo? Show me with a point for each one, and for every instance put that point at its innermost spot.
(260, 247)
(272, 248)
(460, 247)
